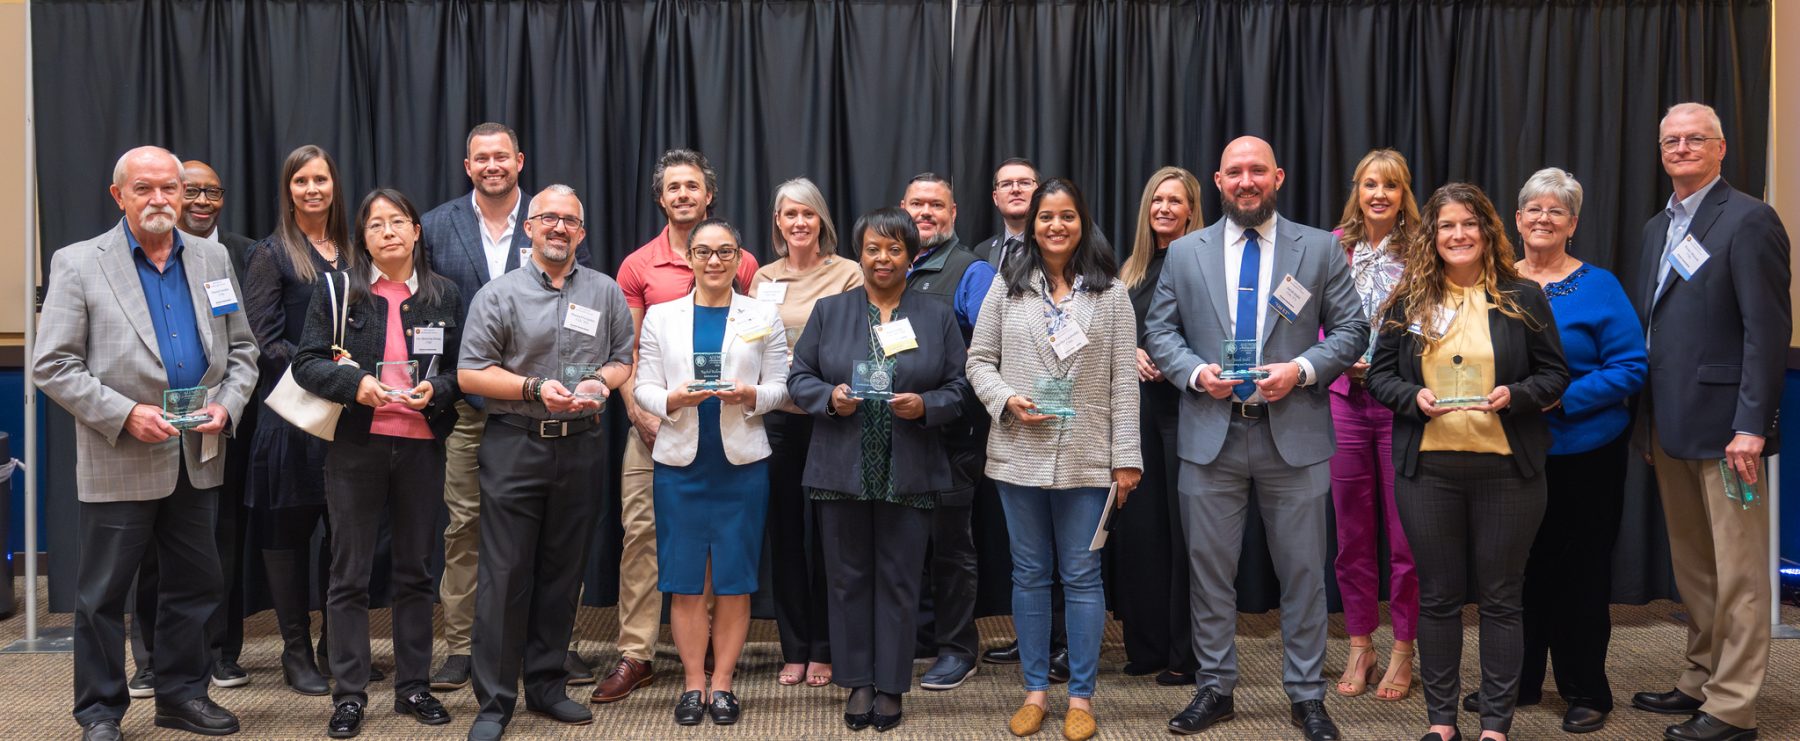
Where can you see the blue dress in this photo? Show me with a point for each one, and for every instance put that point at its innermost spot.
(710, 507)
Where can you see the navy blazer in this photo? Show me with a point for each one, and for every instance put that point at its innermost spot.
(1718, 342)
(453, 245)
(1528, 361)
(835, 338)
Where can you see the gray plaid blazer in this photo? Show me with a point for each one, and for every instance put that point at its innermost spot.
(97, 357)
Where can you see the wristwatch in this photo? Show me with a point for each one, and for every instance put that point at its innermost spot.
(1304, 380)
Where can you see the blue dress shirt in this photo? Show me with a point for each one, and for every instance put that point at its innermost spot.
(171, 307)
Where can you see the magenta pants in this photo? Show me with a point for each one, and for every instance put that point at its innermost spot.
(1363, 466)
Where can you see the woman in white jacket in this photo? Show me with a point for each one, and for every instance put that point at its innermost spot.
(710, 365)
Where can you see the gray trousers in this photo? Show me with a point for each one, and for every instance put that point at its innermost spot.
(1293, 503)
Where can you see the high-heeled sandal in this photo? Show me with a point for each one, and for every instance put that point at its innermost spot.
(790, 678)
(1360, 684)
(1404, 688)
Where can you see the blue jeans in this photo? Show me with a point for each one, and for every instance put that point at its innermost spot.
(1052, 527)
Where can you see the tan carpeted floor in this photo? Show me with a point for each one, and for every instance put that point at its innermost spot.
(1645, 650)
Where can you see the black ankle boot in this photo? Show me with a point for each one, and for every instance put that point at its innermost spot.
(287, 589)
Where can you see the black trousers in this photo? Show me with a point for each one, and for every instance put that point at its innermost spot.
(1147, 563)
(1470, 514)
(872, 555)
(539, 503)
(402, 480)
(113, 538)
(225, 629)
(1568, 579)
(796, 553)
(953, 577)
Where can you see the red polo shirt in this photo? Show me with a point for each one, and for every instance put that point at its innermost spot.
(654, 273)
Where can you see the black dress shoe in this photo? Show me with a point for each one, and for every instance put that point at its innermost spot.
(227, 673)
(579, 672)
(1455, 735)
(690, 708)
(1581, 719)
(724, 708)
(1673, 702)
(424, 707)
(142, 684)
(1207, 709)
(346, 720)
(1007, 654)
(1705, 727)
(1310, 717)
(1059, 666)
(565, 711)
(453, 675)
(200, 715)
(1172, 678)
(102, 730)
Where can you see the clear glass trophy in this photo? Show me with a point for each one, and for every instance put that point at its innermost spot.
(708, 367)
(793, 340)
(400, 378)
(1374, 338)
(184, 409)
(874, 379)
(1053, 397)
(1459, 383)
(1238, 361)
(1736, 488)
(573, 373)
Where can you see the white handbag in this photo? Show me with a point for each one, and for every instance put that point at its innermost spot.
(304, 409)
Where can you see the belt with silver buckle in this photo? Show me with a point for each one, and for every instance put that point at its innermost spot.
(549, 429)
(1249, 411)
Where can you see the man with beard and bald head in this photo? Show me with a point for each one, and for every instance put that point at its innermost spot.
(542, 459)
(129, 315)
(1255, 276)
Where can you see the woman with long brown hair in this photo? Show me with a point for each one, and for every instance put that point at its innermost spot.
(1468, 359)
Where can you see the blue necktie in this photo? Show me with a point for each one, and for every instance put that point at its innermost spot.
(1248, 271)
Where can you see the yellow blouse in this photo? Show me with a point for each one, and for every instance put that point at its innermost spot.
(1466, 343)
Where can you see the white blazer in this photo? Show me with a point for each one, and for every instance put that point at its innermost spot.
(754, 353)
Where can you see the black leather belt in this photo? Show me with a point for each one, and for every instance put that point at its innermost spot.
(548, 429)
(1249, 411)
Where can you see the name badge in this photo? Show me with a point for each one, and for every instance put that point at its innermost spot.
(220, 294)
(896, 337)
(1289, 297)
(1441, 325)
(428, 341)
(773, 292)
(756, 334)
(1068, 340)
(582, 319)
(1688, 257)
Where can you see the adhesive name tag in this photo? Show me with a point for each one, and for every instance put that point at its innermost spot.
(772, 291)
(582, 319)
(896, 337)
(223, 298)
(1688, 257)
(1289, 297)
(428, 341)
(1068, 340)
(755, 334)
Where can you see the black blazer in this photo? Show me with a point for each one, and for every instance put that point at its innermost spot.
(452, 242)
(365, 337)
(1719, 342)
(1527, 361)
(835, 338)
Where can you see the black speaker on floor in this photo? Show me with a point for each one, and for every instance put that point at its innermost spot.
(7, 605)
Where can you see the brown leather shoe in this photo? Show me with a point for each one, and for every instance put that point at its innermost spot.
(629, 675)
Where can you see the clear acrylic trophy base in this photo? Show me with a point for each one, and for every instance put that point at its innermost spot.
(1457, 402)
(872, 395)
(188, 422)
(711, 385)
(1243, 375)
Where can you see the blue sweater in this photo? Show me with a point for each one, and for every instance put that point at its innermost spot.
(1604, 346)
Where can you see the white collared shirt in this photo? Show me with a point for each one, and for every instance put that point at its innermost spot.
(495, 249)
(412, 281)
(1234, 263)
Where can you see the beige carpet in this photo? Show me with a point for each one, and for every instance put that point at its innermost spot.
(1645, 649)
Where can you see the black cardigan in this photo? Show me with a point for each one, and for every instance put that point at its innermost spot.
(365, 335)
(1529, 362)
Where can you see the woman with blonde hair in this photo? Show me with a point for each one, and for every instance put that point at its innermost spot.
(1147, 561)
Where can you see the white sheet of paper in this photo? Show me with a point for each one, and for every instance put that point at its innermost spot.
(1100, 533)
(582, 319)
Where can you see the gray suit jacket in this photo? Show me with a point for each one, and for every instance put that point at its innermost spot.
(97, 357)
(1190, 320)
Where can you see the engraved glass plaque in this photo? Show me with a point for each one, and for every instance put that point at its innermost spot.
(708, 367)
(1736, 488)
(400, 378)
(184, 409)
(793, 340)
(572, 375)
(874, 379)
(1053, 396)
(1238, 361)
(1459, 383)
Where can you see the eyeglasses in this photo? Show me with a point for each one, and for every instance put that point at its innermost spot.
(704, 254)
(1556, 214)
(551, 220)
(212, 194)
(1020, 184)
(1673, 143)
(398, 224)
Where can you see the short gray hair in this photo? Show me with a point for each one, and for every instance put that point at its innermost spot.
(805, 193)
(119, 167)
(1553, 182)
(1712, 116)
(556, 189)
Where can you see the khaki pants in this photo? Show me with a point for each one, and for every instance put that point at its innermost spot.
(462, 495)
(1721, 555)
(640, 604)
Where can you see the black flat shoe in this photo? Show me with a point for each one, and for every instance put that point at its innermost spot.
(1583, 720)
(1706, 727)
(1007, 654)
(424, 707)
(1673, 702)
(724, 708)
(690, 708)
(200, 715)
(346, 720)
(1435, 736)
(1059, 666)
(1172, 678)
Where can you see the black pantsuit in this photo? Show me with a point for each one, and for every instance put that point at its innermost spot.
(1568, 579)
(953, 578)
(114, 537)
(540, 500)
(402, 480)
(1470, 513)
(797, 555)
(872, 555)
(1147, 565)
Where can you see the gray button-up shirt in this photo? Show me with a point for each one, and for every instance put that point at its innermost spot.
(518, 322)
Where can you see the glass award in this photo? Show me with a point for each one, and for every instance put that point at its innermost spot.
(708, 366)
(1459, 383)
(1053, 397)
(573, 373)
(793, 340)
(1736, 488)
(184, 409)
(1238, 361)
(399, 377)
(874, 379)
(1374, 338)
